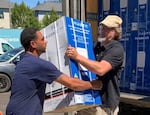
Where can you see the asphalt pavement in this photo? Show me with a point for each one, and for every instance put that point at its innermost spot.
(4, 98)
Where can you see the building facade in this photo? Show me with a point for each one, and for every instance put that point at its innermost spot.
(45, 8)
(5, 19)
(85, 10)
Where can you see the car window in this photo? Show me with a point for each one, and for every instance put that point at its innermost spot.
(6, 47)
(8, 55)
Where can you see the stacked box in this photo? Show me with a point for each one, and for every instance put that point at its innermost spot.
(63, 32)
(135, 40)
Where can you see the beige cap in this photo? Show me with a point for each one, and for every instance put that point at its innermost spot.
(112, 21)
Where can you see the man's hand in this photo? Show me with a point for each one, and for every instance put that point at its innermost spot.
(97, 84)
(71, 52)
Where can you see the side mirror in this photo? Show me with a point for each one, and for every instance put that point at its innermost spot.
(16, 60)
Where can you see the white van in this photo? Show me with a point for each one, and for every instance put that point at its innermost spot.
(4, 46)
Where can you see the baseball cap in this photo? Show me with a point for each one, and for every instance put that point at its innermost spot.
(112, 21)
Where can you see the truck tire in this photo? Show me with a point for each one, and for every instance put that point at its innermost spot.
(5, 83)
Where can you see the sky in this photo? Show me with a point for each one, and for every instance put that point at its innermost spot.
(29, 3)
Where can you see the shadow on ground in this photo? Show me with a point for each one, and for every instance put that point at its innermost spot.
(127, 109)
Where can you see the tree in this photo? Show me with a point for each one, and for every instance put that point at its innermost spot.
(53, 16)
(22, 16)
(49, 18)
(38, 3)
(45, 20)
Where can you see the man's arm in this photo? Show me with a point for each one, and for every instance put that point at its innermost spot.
(100, 68)
(78, 85)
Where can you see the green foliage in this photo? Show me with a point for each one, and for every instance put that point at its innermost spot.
(49, 18)
(53, 16)
(22, 16)
(45, 20)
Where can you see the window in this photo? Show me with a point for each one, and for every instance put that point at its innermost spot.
(6, 47)
(1, 14)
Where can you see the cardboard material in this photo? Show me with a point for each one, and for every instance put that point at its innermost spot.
(63, 32)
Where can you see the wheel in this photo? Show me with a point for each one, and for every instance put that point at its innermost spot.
(5, 83)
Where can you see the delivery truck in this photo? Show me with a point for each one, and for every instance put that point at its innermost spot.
(12, 36)
(135, 78)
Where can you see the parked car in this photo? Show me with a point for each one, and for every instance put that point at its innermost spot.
(4, 46)
(8, 62)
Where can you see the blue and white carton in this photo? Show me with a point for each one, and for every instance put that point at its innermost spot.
(61, 33)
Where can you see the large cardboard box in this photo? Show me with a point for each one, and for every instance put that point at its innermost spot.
(63, 32)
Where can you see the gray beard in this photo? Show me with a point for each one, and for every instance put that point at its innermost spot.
(101, 39)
